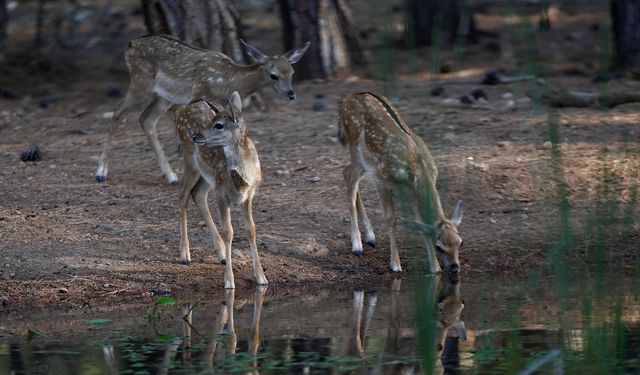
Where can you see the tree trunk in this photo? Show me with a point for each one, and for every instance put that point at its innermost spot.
(210, 24)
(438, 22)
(625, 17)
(4, 24)
(328, 25)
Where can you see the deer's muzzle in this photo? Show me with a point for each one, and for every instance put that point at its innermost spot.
(198, 138)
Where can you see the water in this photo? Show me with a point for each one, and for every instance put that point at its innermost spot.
(477, 325)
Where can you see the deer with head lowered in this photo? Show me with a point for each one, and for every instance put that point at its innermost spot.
(381, 144)
(165, 71)
(218, 156)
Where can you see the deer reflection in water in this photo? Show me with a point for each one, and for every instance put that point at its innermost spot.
(356, 348)
(223, 341)
(448, 330)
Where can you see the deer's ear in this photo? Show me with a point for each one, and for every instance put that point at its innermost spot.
(235, 106)
(212, 107)
(254, 53)
(458, 329)
(420, 226)
(456, 215)
(296, 54)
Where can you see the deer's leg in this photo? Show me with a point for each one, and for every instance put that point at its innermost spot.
(229, 296)
(358, 305)
(199, 193)
(258, 272)
(119, 116)
(187, 322)
(149, 120)
(191, 177)
(227, 237)
(352, 175)
(369, 236)
(214, 339)
(390, 218)
(254, 340)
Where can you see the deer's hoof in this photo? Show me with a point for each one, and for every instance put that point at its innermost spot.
(395, 269)
(223, 262)
(174, 183)
(101, 179)
(373, 243)
(357, 253)
(185, 262)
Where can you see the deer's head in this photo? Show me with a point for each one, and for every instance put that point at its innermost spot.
(226, 127)
(277, 69)
(448, 240)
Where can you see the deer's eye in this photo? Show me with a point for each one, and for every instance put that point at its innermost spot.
(218, 125)
(274, 77)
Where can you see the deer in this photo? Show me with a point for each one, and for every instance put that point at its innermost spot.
(224, 341)
(166, 72)
(404, 173)
(218, 155)
(443, 291)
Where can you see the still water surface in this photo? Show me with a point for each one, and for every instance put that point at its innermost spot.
(475, 325)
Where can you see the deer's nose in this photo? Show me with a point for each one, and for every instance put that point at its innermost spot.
(291, 95)
(198, 137)
(454, 269)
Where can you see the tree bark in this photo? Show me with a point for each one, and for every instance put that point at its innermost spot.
(335, 44)
(4, 24)
(437, 22)
(209, 24)
(625, 17)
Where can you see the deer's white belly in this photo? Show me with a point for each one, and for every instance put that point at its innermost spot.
(172, 89)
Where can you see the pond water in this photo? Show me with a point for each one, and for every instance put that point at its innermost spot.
(477, 324)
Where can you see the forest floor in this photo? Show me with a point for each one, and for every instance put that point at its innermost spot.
(67, 241)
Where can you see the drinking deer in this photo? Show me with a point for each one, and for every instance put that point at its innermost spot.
(381, 144)
(218, 155)
(165, 71)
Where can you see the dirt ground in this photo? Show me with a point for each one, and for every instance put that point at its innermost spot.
(67, 241)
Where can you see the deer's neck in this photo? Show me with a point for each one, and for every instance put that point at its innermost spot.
(246, 79)
(429, 200)
(239, 158)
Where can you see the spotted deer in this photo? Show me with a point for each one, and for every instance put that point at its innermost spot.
(382, 145)
(164, 71)
(218, 156)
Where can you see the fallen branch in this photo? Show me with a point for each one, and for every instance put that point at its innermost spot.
(566, 98)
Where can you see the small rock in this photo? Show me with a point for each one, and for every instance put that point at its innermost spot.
(282, 172)
(491, 77)
(6, 93)
(160, 292)
(32, 153)
(465, 99)
(547, 145)
(437, 91)
(314, 179)
(507, 95)
(47, 100)
(114, 91)
(319, 105)
(479, 93)
(450, 101)
(63, 290)
(107, 115)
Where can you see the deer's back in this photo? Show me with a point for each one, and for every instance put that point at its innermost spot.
(381, 141)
